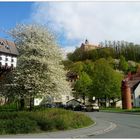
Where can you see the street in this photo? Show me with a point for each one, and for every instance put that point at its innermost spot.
(128, 125)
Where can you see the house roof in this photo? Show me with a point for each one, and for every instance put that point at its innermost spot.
(133, 80)
(135, 86)
(73, 100)
(8, 47)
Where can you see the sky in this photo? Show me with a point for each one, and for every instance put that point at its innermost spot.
(12, 13)
(73, 22)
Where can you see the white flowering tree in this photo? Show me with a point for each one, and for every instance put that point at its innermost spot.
(40, 71)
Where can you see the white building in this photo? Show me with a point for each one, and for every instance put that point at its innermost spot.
(136, 96)
(8, 59)
(48, 99)
(8, 54)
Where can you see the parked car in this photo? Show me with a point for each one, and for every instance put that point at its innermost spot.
(48, 105)
(77, 107)
(91, 107)
(95, 107)
(69, 107)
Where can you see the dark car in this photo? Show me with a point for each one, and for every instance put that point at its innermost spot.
(74, 107)
(69, 107)
(48, 105)
(77, 108)
(60, 105)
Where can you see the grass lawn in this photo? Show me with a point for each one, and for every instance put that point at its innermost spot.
(137, 110)
(41, 121)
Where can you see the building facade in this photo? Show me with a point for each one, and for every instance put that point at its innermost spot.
(131, 91)
(8, 54)
(8, 60)
(87, 46)
(136, 96)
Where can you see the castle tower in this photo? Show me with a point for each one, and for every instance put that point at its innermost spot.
(87, 46)
(86, 42)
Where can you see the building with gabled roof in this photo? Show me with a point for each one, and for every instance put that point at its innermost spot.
(8, 59)
(131, 91)
(8, 47)
(8, 56)
(87, 46)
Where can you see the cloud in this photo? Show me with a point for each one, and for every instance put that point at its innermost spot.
(96, 21)
(66, 50)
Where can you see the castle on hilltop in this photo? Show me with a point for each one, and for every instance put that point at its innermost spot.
(87, 47)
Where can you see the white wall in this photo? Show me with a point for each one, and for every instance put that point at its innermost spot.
(136, 97)
(10, 60)
(37, 101)
(119, 104)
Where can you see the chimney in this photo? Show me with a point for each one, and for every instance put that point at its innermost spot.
(126, 95)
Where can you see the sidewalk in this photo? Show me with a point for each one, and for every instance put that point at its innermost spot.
(99, 127)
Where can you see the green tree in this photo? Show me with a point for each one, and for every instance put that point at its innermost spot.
(123, 65)
(77, 67)
(39, 70)
(77, 55)
(82, 85)
(106, 81)
(88, 67)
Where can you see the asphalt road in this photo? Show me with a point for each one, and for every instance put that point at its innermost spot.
(127, 125)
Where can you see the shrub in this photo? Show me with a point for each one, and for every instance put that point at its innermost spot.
(59, 119)
(8, 115)
(18, 125)
(47, 120)
(9, 106)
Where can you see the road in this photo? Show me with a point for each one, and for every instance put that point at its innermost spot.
(127, 125)
(108, 125)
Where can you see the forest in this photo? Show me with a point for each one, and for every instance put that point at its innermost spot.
(100, 71)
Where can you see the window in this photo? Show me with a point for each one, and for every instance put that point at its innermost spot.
(7, 47)
(6, 59)
(0, 58)
(1, 43)
(12, 60)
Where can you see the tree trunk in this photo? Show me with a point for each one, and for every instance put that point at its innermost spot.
(31, 103)
(105, 101)
(84, 98)
(109, 102)
(22, 103)
(98, 102)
